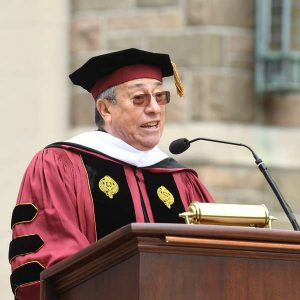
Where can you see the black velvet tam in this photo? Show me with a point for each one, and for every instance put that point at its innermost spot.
(100, 66)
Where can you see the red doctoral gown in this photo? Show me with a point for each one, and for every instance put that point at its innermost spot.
(66, 198)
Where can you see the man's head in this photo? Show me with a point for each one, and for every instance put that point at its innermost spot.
(130, 100)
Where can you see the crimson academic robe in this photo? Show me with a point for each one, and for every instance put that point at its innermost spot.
(71, 196)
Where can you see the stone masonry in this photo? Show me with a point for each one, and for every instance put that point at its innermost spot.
(213, 44)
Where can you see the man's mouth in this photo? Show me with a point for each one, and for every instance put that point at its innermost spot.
(150, 125)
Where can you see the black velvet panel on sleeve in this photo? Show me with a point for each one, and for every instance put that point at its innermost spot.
(114, 210)
(26, 273)
(24, 244)
(23, 213)
(161, 212)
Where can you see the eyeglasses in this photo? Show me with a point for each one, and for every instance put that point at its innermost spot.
(161, 98)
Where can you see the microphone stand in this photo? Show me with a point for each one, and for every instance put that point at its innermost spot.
(262, 167)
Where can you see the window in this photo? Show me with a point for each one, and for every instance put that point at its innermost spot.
(277, 45)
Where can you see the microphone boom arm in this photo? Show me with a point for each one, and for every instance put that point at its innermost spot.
(262, 167)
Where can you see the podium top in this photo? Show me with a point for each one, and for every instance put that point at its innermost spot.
(211, 231)
(141, 241)
(162, 235)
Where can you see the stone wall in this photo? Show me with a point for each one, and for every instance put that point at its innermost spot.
(213, 44)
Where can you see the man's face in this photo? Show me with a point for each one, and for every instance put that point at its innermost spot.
(139, 126)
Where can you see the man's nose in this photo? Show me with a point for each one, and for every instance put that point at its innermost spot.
(153, 105)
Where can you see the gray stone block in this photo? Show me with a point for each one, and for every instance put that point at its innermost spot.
(85, 5)
(145, 20)
(147, 3)
(125, 42)
(223, 98)
(85, 35)
(282, 110)
(219, 12)
(196, 49)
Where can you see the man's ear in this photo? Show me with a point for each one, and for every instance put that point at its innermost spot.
(103, 107)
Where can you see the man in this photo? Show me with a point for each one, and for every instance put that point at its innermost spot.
(78, 191)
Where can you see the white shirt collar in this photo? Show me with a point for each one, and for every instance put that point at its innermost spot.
(118, 149)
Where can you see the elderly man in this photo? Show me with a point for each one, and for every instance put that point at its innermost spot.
(75, 192)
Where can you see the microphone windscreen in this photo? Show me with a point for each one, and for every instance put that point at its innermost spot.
(179, 146)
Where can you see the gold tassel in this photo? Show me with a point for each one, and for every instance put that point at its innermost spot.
(178, 83)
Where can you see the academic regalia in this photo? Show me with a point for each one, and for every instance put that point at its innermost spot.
(72, 195)
(78, 191)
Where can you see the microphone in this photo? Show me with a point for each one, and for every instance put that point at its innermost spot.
(180, 145)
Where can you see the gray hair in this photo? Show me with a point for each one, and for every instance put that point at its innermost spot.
(109, 94)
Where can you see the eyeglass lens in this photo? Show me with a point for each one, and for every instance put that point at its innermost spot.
(161, 98)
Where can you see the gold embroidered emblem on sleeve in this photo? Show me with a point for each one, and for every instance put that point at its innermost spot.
(165, 196)
(108, 186)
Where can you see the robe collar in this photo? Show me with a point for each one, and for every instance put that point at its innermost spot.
(118, 149)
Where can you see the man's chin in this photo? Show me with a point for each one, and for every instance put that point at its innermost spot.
(147, 145)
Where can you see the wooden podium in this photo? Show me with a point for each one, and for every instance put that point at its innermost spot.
(170, 261)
